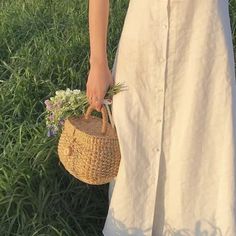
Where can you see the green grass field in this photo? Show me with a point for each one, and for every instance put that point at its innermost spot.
(44, 46)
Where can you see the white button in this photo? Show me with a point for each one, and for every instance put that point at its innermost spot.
(156, 149)
(162, 59)
(165, 26)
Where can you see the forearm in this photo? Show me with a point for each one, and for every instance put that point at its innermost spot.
(98, 24)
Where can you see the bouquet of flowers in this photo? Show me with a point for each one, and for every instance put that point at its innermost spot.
(71, 102)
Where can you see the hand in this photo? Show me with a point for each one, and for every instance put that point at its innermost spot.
(99, 80)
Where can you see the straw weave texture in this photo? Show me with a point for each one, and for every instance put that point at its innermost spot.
(89, 149)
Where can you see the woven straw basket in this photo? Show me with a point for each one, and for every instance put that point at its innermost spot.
(88, 148)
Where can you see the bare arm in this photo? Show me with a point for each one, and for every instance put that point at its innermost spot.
(98, 23)
(99, 78)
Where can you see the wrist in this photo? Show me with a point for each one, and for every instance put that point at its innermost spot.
(102, 61)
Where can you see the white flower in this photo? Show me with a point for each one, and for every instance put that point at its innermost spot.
(68, 91)
(60, 92)
(76, 91)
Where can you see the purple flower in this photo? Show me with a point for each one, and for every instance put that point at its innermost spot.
(48, 104)
(49, 134)
(61, 122)
(51, 117)
(51, 131)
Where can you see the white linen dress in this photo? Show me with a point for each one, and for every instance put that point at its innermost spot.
(176, 123)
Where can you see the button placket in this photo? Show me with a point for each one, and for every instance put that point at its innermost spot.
(161, 87)
(160, 93)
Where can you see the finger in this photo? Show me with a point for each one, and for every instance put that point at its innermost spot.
(87, 90)
(88, 95)
(99, 106)
(90, 98)
(97, 102)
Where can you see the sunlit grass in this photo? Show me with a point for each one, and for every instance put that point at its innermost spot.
(44, 47)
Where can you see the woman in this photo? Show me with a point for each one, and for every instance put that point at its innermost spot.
(176, 124)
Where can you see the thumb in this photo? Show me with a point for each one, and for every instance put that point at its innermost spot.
(112, 81)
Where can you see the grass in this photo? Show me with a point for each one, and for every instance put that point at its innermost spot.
(44, 46)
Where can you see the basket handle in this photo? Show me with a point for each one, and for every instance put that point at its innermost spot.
(104, 117)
